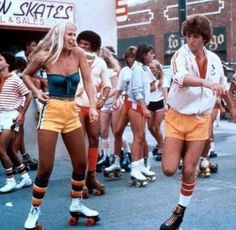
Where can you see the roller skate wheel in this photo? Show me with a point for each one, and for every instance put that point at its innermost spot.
(111, 175)
(90, 221)
(99, 192)
(73, 220)
(131, 183)
(39, 227)
(138, 184)
(154, 178)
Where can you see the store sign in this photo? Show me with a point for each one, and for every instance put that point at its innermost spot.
(121, 10)
(37, 14)
(217, 43)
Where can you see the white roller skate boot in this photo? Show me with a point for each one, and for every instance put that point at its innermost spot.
(204, 168)
(32, 220)
(113, 171)
(9, 186)
(150, 175)
(77, 210)
(137, 178)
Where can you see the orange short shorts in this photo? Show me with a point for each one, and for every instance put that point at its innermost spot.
(59, 116)
(187, 127)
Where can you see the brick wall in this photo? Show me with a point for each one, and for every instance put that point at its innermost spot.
(159, 18)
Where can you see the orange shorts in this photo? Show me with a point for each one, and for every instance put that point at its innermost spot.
(130, 105)
(187, 127)
(59, 116)
(83, 111)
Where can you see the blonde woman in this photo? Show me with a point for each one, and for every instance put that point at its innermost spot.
(158, 105)
(62, 60)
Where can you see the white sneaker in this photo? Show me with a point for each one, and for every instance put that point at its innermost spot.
(9, 185)
(32, 219)
(24, 182)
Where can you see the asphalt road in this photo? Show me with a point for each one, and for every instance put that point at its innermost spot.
(213, 206)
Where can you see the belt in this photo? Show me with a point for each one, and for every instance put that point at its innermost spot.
(62, 98)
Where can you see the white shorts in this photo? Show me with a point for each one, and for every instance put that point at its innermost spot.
(6, 120)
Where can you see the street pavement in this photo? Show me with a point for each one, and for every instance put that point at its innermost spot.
(213, 206)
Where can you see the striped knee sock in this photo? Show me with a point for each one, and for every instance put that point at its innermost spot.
(39, 190)
(186, 193)
(9, 173)
(77, 184)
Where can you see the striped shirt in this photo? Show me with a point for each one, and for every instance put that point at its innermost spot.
(12, 93)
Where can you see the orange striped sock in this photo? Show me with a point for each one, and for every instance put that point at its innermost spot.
(77, 185)
(39, 190)
(92, 159)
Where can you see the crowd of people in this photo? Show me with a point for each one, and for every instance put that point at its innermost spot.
(82, 92)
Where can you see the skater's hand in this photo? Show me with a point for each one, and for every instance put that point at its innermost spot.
(42, 97)
(116, 104)
(217, 88)
(146, 113)
(19, 120)
(100, 103)
(93, 115)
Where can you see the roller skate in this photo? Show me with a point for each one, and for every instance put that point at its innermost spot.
(204, 169)
(150, 175)
(212, 154)
(137, 179)
(155, 150)
(103, 161)
(93, 185)
(158, 156)
(213, 167)
(78, 210)
(32, 220)
(9, 186)
(113, 171)
(125, 161)
(30, 163)
(174, 222)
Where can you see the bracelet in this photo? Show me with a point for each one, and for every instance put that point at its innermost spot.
(104, 98)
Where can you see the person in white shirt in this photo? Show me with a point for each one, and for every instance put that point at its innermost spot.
(90, 42)
(125, 75)
(198, 78)
(157, 106)
(139, 97)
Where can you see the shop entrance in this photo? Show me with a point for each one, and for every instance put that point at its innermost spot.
(15, 40)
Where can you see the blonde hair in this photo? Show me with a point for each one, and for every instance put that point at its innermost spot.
(110, 60)
(50, 47)
(160, 76)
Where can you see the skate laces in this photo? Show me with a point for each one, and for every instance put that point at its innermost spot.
(177, 213)
(34, 211)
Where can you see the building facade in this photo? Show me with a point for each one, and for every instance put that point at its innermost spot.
(21, 20)
(156, 22)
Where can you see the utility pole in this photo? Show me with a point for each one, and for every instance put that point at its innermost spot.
(182, 17)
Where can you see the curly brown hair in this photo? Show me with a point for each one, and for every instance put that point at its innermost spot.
(198, 24)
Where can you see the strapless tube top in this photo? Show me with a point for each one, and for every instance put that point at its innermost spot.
(62, 85)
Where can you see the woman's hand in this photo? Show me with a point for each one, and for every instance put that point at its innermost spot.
(42, 97)
(93, 115)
